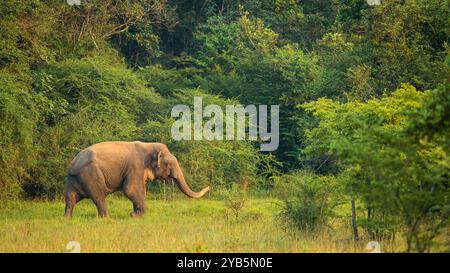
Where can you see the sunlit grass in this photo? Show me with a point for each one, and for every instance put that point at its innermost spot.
(176, 225)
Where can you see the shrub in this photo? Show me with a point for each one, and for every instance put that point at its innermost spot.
(18, 120)
(311, 201)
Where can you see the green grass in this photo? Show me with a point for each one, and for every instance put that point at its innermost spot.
(175, 225)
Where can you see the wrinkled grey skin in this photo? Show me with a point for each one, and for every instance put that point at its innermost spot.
(107, 167)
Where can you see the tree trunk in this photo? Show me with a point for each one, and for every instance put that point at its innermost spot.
(354, 226)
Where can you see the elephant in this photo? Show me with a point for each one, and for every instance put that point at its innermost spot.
(107, 167)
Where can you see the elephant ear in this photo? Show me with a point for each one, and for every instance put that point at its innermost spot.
(158, 156)
(82, 159)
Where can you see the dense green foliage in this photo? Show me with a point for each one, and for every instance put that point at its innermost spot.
(393, 172)
(311, 205)
(363, 92)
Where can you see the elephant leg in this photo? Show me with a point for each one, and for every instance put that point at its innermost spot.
(72, 198)
(136, 194)
(100, 203)
(93, 182)
(139, 206)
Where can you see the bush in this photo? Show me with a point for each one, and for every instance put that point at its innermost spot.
(18, 120)
(97, 81)
(312, 200)
(380, 227)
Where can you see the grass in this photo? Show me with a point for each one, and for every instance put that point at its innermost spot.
(174, 225)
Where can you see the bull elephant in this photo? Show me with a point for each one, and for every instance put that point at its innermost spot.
(108, 167)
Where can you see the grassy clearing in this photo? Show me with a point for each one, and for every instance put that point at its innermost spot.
(177, 225)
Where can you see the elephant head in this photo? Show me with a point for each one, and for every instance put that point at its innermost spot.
(167, 167)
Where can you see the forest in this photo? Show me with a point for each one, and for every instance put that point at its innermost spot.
(364, 117)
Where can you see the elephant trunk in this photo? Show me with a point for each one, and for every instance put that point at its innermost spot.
(183, 186)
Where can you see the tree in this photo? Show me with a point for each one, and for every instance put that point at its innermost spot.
(398, 178)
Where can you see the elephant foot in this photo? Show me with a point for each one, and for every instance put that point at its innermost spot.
(136, 214)
(103, 215)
